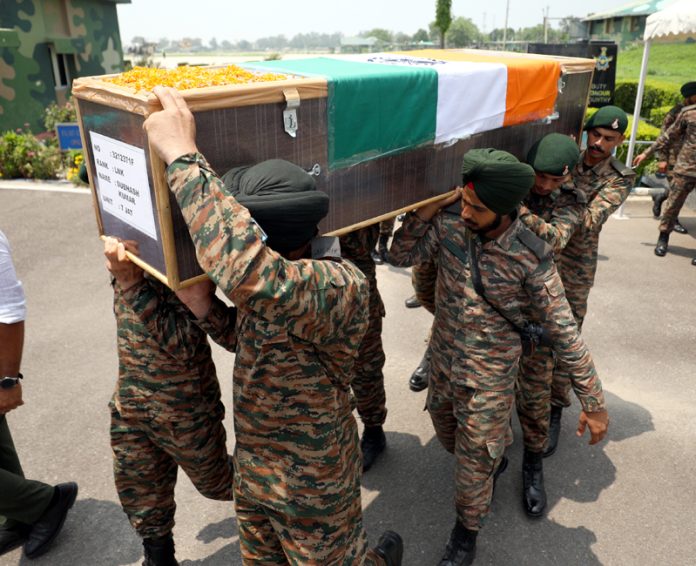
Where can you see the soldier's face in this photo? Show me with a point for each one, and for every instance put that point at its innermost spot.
(601, 142)
(545, 183)
(476, 216)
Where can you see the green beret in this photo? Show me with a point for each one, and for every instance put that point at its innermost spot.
(688, 89)
(610, 117)
(283, 199)
(555, 154)
(499, 180)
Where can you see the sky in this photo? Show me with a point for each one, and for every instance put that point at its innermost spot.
(233, 20)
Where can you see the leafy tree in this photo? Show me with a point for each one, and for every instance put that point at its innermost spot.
(214, 44)
(381, 35)
(244, 45)
(420, 35)
(226, 45)
(497, 34)
(462, 32)
(443, 18)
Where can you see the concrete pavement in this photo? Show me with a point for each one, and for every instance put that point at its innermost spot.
(628, 501)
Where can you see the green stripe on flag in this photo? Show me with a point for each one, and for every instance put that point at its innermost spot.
(374, 109)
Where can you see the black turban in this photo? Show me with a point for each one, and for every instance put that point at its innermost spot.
(282, 198)
(499, 180)
(688, 89)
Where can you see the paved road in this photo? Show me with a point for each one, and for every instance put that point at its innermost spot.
(628, 501)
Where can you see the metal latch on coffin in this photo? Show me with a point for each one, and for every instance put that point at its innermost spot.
(292, 97)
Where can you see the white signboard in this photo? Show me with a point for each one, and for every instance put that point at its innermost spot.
(121, 180)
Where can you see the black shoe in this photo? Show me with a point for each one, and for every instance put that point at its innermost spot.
(11, 538)
(419, 377)
(679, 229)
(412, 302)
(159, 551)
(657, 204)
(461, 547)
(501, 468)
(51, 522)
(372, 445)
(382, 249)
(662, 243)
(391, 548)
(377, 258)
(693, 261)
(533, 492)
(554, 430)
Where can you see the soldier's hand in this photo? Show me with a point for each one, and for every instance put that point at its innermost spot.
(198, 297)
(171, 131)
(124, 271)
(426, 213)
(662, 167)
(597, 422)
(10, 398)
(638, 159)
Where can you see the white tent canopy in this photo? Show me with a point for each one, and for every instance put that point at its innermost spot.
(674, 23)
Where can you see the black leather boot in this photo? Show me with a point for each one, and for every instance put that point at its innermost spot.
(461, 547)
(376, 257)
(412, 302)
(382, 247)
(693, 261)
(533, 492)
(554, 430)
(159, 551)
(419, 378)
(391, 548)
(679, 229)
(662, 243)
(658, 200)
(372, 444)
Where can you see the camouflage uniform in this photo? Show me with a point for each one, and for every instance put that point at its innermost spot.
(298, 328)
(606, 186)
(166, 411)
(554, 218)
(680, 138)
(475, 352)
(368, 383)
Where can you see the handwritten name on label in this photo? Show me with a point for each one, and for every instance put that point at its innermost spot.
(122, 184)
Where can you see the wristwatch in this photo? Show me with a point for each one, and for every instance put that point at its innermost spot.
(10, 382)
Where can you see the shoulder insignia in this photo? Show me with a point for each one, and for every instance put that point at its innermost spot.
(623, 169)
(538, 246)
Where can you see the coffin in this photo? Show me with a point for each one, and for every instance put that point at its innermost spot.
(380, 133)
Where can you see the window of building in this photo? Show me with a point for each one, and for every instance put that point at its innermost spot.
(61, 72)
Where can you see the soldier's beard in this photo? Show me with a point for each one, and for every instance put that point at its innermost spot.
(476, 229)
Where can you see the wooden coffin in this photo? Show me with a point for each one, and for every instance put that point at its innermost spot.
(378, 158)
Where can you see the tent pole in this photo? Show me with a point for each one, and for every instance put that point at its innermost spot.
(639, 103)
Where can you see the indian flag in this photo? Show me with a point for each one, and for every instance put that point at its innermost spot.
(384, 103)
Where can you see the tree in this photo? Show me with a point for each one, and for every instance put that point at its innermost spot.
(420, 35)
(462, 32)
(381, 35)
(401, 38)
(443, 18)
(213, 44)
(226, 45)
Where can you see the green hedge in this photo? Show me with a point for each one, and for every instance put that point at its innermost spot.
(655, 95)
(657, 115)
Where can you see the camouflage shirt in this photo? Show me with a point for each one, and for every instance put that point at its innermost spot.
(471, 341)
(669, 154)
(606, 186)
(298, 328)
(555, 217)
(165, 366)
(682, 135)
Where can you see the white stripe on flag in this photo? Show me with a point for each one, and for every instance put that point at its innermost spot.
(470, 99)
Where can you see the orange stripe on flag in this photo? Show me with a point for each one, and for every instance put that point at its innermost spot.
(532, 84)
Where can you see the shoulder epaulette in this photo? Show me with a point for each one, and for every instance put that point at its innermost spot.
(622, 168)
(538, 246)
(579, 196)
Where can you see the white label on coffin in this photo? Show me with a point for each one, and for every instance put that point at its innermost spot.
(121, 180)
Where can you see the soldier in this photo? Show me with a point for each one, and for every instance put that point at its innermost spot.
(368, 382)
(669, 159)
(489, 276)
(553, 209)
(166, 411)
(680, 138)
(298, 327)
(606, 183)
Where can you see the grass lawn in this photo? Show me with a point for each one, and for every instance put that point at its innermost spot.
(669, 65)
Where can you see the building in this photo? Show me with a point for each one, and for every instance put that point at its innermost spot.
(44, 45)
(625, 23)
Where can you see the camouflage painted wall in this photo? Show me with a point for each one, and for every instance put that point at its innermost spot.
(84, 31)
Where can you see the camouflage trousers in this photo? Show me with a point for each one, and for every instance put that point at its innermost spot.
(533, 397)
(368, 379)
(474, 425)
(147, 455)
(316, 536)
(680, 188)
